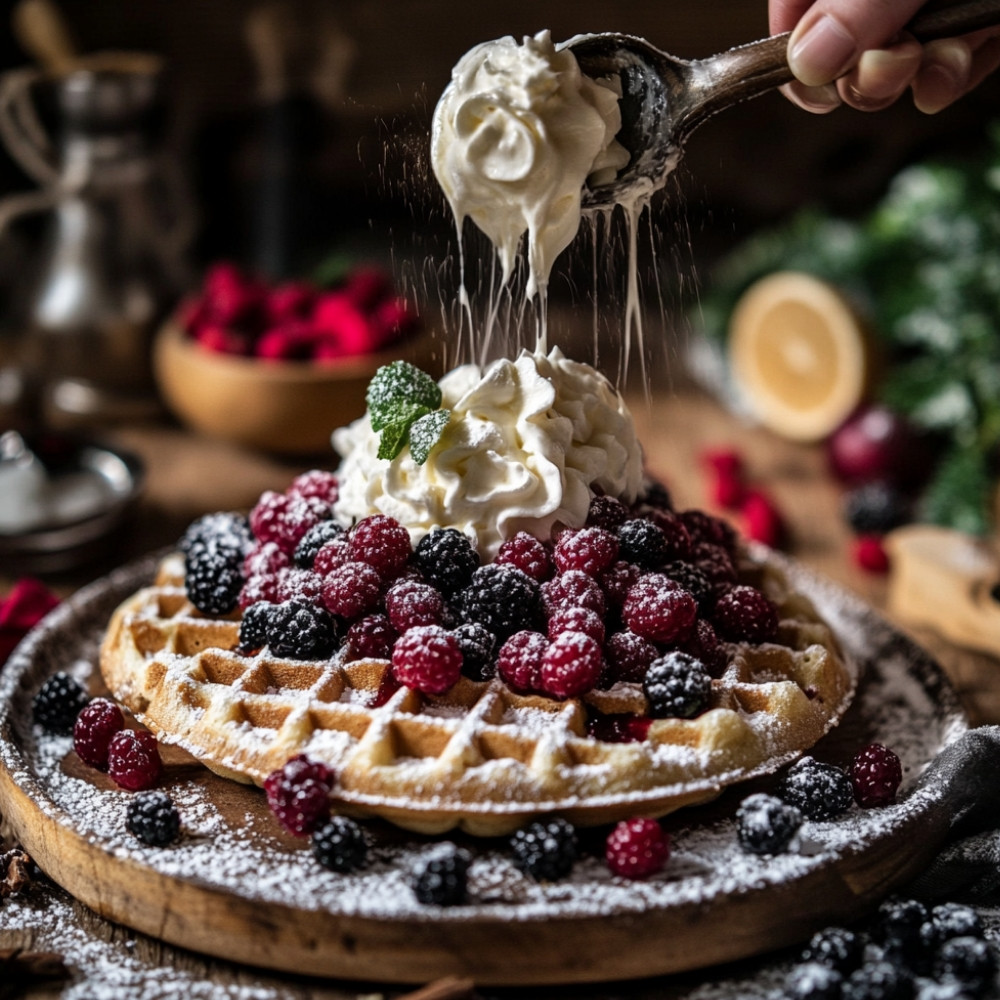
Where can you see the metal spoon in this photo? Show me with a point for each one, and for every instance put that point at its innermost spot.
(664, 99)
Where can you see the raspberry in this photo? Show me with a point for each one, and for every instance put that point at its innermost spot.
(744, 614)
(875, 775)
(716, 564)
(545, 850)
(677, 686)
(875, 508)
(703, 527)
(427, 659)
(299, 794)
(617, 580)
(134, 759)
(642, 543)
(869, 554)
(442, 878)
(692, 579)
(572, 589)
(607, 513)
(266, 559)
(629, 656)
(637, 848)
(213, 577)
(589, 550)
(294, 584)
(313, 540)
(153, 818)
(315, 483)
(765, 824)
(618, 728)
(340, 845)
(571, 665)
(878, 981)
(370, 638)
(331, 555)
(820, 791)
(519, 662)
(656, 608)
(285, 520)
(675, 535)
(259, 589)
(382, 542)
(703, 644)
(955, 920)
(761, 519)
(58, 702)
(230, 530)
(301, 631)
(447, 559)
(409, 604)
(477, 645)
(351, 589)
(576, 620)
(837, 948)
(500, 598)
(813, 981)
(969, 961)
(528, 554)
(93, 730)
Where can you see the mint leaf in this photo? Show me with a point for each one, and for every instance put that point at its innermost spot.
(426, 432)
(393, 438)
(396, 387)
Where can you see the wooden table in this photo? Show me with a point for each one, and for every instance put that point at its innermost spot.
(188, 476)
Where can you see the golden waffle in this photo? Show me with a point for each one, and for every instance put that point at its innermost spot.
(479, 757)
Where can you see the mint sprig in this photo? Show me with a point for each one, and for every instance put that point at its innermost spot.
(405, 408)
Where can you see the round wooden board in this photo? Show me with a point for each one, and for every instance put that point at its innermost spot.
(236, 887)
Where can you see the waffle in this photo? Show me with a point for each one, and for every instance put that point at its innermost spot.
(480, 757)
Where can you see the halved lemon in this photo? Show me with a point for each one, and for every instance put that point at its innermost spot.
(799, 353)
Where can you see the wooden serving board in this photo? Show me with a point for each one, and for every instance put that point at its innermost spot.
(236, 887)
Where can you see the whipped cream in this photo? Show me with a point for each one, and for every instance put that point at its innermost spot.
(515, 136)
(528, 445)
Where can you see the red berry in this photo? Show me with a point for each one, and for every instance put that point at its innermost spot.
(427, 659)
(637, 848)
(716, 563)
(876, 443)
(727, 486)
(290, 301)
(676, 537)
(589, 550)
(315, 483)
(370, 638)
(606, 512)
(576, 620)
(299, 794)
(658, 609)
(382, 542)
(528, 554)
(134, 759)
(703, 644)
(572, 589)
(265, 559)
(617, 580)
(744, 614)
(409, 604)
(284, 520)
(629, 656)
(571, 665)
(703, 527)
(258, 589)
(351, 589)
(337, 317)
(297, 584)
(519, 662)
(94, 729)
(870, 554)
(762, 519)
(618, 728)
(330, 555)
(724, 462)
(875, 774)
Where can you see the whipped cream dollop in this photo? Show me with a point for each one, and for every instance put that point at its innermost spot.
(528, 444)
(515, 136)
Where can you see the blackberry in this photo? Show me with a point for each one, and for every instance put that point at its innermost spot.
(545, 850)
(813, 981)
(447, 559)
(836, 947)
(228, 529)
(899, 920)
(477, 645)
(655, 494)
(643, 543)
(969, 961)
(765, 824)
(955, 920)
(153, 818)
(255, 625)
(442, 878)
(878, 981)
(58, 702)
(313, 540)
(676, 686)
(820, 791)
(500, 598)
(694, 580)
(213, 576)
(301, 631)
(875, 508)
(340, 845)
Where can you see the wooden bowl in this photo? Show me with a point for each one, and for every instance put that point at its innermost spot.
(283, 407)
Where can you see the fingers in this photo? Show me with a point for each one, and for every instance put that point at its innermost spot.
(951, 68)
(881, 75)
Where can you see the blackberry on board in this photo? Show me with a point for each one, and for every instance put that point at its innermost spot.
(441, 879)
(502, 599)
(820, 791)
(677, 686)
(447, 559)
(58, 702)
(153, 818)
(299, 630)
(313, 540)
(546, 850)
(340, 845)
(765, 824)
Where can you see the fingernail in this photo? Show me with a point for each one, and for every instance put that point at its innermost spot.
(822, 52)
(943, 77)
(818, 100)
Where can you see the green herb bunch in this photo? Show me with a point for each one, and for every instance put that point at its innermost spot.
(405, 408)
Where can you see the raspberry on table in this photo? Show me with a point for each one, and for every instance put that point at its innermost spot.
(677, 686)
(836, 947)
(134, 759)
(519, 662)
(299, 794)
(93, 730)
(606, 512)
(370, 638)
(658, 609)
(477, 645)
(875, 773)
(744, 614)
(637, 848)
(285, 520)
(447, 559)
(340, 845)
(315, 483)
(576, 620)
(820, 791)
(617, 580)
(427, 659)
(313, 540)
(409, 604)
(331, 555)
(152, 817)
(58, 702)
(213, 577)
(351, 590)
(629, 656)
(813, 981)
(642, 543)
(572, 589)
(589, 550)
(571, 665)
(501, 598)
(546, 849)
(382, 542)
(528, 554)
(765, 824)
(441, 879)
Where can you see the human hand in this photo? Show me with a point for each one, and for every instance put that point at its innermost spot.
(855, 52)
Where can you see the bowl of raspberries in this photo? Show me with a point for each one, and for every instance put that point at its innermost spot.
(276, 367)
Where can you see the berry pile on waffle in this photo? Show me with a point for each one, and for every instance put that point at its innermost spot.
(626, 666)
